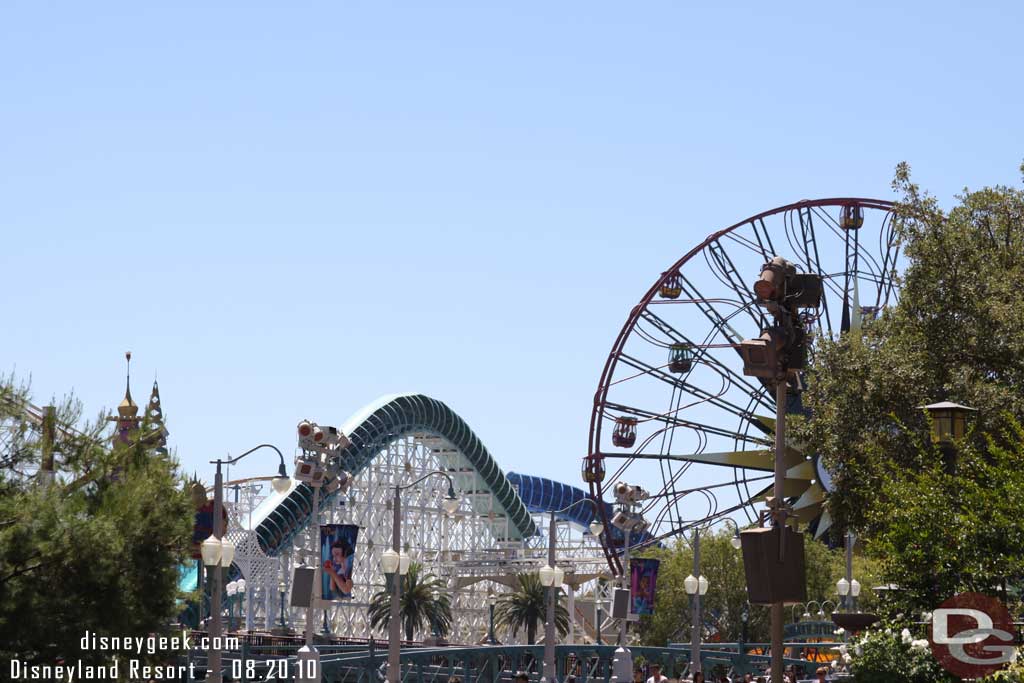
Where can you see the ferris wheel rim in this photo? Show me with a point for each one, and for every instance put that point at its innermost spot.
(601, 395)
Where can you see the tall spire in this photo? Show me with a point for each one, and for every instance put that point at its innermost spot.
(127, 419)
(128, 409)
(153, 411)
(157, 436)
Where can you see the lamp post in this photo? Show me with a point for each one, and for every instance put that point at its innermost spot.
(282, 588)
(232, 590)
(551, 577)
(696, 587)
(744, 619)
(848, 587)
(396, 563)
(241, 602)
(949, 422)
(492, 600)
(218, 553)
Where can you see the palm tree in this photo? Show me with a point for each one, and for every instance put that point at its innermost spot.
(418, 605)
(526, 607)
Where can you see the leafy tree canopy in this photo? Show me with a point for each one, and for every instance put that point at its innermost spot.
(956, 334)
(726, 599)
(96, 548)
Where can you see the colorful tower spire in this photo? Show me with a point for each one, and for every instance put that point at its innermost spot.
(157, 434)
(127, 411)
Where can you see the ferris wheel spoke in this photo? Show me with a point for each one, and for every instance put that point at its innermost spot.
(673, 380)
(731, 278)
(721, 323)
(672, 421)
(748, 243)
(703, 355)
(810, 250)
(892, 252)
(762, 460)
(763, 238)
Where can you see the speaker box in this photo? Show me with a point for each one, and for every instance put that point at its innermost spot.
(769, 580)
(620, 603)
(302, 586)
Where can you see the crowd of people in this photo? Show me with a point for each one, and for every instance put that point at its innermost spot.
(789, 676)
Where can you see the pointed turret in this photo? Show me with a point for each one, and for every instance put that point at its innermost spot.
(127, 411)
(157, 432)
(128, 408)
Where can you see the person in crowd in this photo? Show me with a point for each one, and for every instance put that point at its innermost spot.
(656, 676)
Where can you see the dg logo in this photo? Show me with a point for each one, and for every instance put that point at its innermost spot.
(972, 635)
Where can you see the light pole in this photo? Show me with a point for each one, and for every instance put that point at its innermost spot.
(627, 521)
(218, 553)
(319, 445)
(232, 590)
(848, 587)
(396, 563)
(744, 618)
(696, 586)
(282, 588)
(551, 577)
(492, 600)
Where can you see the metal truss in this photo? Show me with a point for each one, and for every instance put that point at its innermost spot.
(465, 550)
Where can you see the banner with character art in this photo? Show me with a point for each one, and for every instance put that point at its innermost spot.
(337, 553)
(643, 575)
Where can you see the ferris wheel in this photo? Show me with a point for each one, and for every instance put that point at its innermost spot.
(675, 414)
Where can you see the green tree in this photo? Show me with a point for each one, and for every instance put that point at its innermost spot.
(418, 607)
(956, 333)
(726, 600)
(941, 533)
(526, 608)
(96, 547)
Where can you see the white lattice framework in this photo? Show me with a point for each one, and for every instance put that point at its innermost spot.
(463, 550)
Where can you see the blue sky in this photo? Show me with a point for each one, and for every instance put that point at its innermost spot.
(286, 210)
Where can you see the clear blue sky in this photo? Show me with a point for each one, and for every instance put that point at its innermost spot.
(288, 209)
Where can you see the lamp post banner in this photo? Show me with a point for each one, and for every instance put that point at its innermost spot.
(643, 574)
(202, 526)
(337, 552)
(972, 635)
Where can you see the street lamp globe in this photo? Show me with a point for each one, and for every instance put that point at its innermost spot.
(450, 502)
(403, 563)
(389, 561)
(735, 541)
(596, 527)
(855, 588)
(282, 482)
(702, 585)
(691, 584)
(227, 553)
(241, 586)
(231, 588)
(559, 576)
(547, 575)
(492, 599)
(210, 550)
(843, 587)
